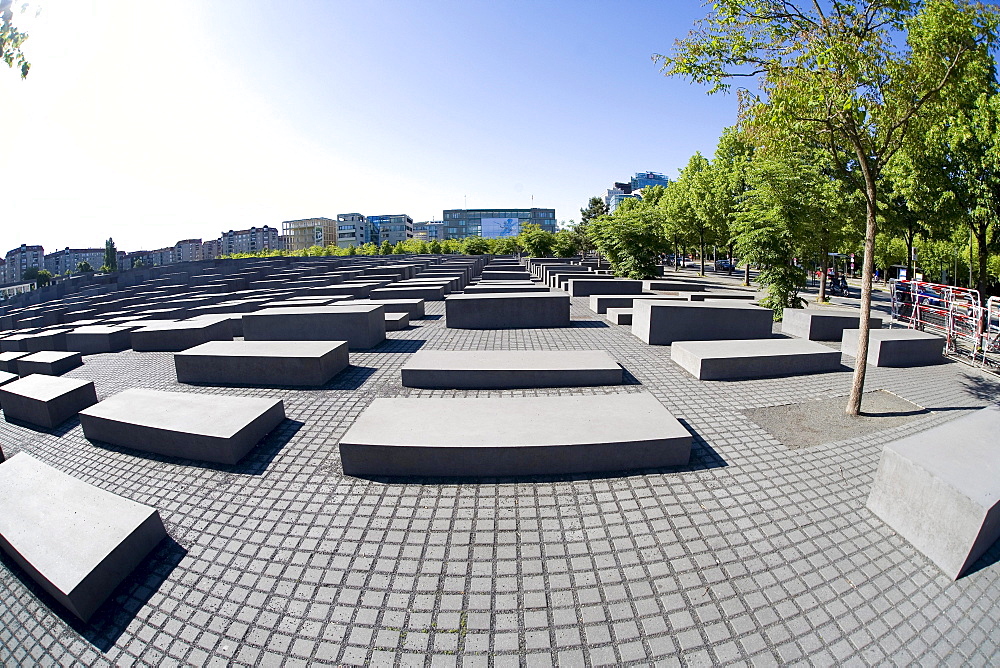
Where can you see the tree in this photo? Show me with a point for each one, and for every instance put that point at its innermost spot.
(139, 263)
(504, 246)
(475, 246)
(42, 277)
(596, 208)
(632, 237)
(399, 248)
(352, 249)
(535, 241)
(566, 243)
(110, 255)
(84, 267)
(842, 76)
(434, 247)
(385, 248)
(11, 39)
(729, 169)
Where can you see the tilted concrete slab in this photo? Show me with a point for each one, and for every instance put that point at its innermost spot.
(428, 292)
(49, 362)
(292, 363)
(757, 358)
(585, 287)
(362, 326)
(95, 339)
(179, 424)
(821, 326)
(517, 310)
(76, 541)
(940, 490)
(396, 321)
(662, 322)
(507, 369)
(415, 307)
(897, 347)
(8, 361)
(6, 377)
(514, 436)
(46, 401)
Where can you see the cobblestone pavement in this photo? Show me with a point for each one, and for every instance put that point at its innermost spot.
(753, 553)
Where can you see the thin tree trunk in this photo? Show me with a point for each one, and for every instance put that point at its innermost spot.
(746, 275)
(701, 245)
(871, 227)
(823, 259)
(729, 256)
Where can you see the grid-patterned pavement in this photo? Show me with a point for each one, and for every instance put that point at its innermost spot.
(753, 553)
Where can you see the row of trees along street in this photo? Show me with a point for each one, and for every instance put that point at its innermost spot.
(872, 123)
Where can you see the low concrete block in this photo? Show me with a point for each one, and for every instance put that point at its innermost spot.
(175, 336)
(396, 321)
(619, 316)
(508, 369)
(95, 339)
(46, 401)
(662, 322)
(940, 490)
(760, 358)
(821, 326)
(76, 541)
(361, 326)
(428, 292)
(718, 296)
(6, 377)
(48, 362)
(585, 287)
(897, 347)
(601, 303)
(507, 311)
(489, 288)
(513, 436)
(193, 426)
(292, 363)
(415, 307)
(8, 361)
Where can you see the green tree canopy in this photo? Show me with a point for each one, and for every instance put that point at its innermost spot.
(11, 39)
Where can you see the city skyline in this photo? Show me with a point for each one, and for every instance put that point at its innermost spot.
(150, 123)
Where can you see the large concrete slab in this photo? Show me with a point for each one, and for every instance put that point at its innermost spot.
(662, 322)
(585, 287)
(76, 541)
(601, 303)
(46, 401)
(48, 362)
(362, 326)
(897, 347)
(821, 326)
(414, 307)
(174, 336)
(505, 436)
(940, 490)
(204, 427)
(292, 363)
(93, 339)
(507, 310)
(507, 369)
(8, 361)
(6, 377)
(758, 358)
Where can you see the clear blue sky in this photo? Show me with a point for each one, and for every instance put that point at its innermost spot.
(154, 122)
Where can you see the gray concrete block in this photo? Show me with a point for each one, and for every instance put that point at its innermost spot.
(507, 311)
(507, 369)
(897, 347)
(940, 490)
(821, 325)
(427, 292)
(193, 426)
(361, 326)
(509, 436)
(718, 296)
(396, 321)
(76, 541)
(504, 275)
(585, 287)
(662, 322)
(601, 303)
(487, 288)
(46, 401)
(415, 307)
(174, 336)
(6, 377)
(48, 362)
(8, 361)
(758, 358)
(293, 363)
(619, 316)
(94, 339)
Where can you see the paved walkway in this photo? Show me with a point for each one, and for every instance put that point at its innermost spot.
(754, 553)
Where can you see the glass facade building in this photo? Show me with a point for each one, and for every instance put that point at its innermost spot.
(392, 228)
(493, 223)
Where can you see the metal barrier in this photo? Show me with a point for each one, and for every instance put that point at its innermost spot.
(955, 313)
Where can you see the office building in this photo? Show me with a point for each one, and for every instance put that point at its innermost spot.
(301, 234)
(354, 229)
(21, 258)
(632, 189)
(429, 230)
(392, 228)
(249, 241)
(187, 250)
(495, 223)
(646, 179)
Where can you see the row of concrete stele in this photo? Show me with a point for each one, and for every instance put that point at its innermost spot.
(592, 433)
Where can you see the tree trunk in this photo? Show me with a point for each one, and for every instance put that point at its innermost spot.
(982, 246)
(746, 275)
(677, 257)
(823, 258)
(729, 256)
(701, 245)
(871, 227)
(909, 255)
